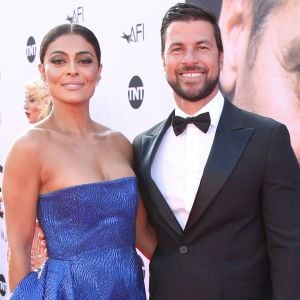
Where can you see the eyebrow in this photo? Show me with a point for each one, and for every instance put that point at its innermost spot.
(77, 53)
(206, 42)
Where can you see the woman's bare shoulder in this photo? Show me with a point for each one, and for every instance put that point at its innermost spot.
(116, 140)
(120, 139)
(28, 141)
(114, 135)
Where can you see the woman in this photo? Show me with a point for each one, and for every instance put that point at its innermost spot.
(77, 176)
(37, 106)
(38, 101)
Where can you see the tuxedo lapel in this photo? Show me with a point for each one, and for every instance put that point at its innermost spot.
(229, 143)
(150, 144)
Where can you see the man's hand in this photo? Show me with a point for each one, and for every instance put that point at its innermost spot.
(39, 248)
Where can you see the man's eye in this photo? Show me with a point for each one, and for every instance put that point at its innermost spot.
(297, 69)
(177, 49)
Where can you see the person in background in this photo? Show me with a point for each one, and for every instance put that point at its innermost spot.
(261, 59)
(221, 185)
(38, 100)
(38, 105)
(76, 176)
(1, 200)
(1, 204)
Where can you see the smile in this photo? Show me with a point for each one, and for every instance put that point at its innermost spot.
(72, 85)
(191, 75)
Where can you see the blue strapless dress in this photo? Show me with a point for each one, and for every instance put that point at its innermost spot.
(90, 233)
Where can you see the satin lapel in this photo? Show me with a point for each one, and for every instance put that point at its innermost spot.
(229, 143)
(150, 145)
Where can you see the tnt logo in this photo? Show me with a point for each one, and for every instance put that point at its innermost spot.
(136, 34)
(3, 286)
(135, 92)
(31, 49)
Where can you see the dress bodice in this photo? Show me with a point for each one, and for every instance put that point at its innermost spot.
(90, 234)
(90, 215)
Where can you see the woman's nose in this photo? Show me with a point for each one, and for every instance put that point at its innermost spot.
(72, 70)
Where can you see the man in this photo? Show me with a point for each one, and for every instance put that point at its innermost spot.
(225, 201)
(262, 53)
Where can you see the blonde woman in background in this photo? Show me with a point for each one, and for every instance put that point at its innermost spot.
(38, 105)
(38, 102)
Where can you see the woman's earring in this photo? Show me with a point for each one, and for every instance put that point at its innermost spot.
(43, 77)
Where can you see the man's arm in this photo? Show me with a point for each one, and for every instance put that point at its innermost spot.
(281, 209)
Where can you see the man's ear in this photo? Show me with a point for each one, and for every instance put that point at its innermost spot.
(234, 21)
(163, 60)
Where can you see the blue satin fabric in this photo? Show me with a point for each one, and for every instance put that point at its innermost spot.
(90, 233)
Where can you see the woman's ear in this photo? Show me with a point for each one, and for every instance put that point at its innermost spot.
(42, 71)
(234, 22)
(99, 77)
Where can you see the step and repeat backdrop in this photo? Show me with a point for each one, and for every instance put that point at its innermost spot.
(132, 93)
(260, 72)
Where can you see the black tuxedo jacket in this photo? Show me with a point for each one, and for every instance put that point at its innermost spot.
(242, 238)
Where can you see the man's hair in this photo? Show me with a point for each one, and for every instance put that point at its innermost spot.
(260, 10)
(189, 12)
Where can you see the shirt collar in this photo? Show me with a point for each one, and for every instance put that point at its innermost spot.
(214, 107)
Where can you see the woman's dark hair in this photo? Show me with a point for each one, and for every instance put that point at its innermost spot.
(189, 12)
(63, 29)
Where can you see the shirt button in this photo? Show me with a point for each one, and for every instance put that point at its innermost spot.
(183, 249)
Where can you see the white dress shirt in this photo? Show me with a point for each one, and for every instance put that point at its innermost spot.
(180, 160)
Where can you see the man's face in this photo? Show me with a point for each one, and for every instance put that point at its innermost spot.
(191, 60)
(271, 87)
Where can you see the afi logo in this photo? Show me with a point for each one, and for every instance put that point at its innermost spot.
(136, 34)
(77, 16)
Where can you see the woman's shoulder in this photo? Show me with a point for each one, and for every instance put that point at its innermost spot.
(119, 138)
(116, 141)
(28, 140)
(111, 134)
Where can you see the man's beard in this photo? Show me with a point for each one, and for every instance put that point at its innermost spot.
(193, 94)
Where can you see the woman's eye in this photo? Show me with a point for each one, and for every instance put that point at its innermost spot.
(57, 61)
(86, 61)
(30, 100)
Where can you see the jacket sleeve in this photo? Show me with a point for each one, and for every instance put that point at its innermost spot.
(281, 209)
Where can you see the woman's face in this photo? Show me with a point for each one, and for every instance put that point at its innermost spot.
(32, 108)
(71, 69)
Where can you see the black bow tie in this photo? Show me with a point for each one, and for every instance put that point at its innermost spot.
(202, 121)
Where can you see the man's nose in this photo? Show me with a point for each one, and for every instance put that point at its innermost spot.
(191, 56)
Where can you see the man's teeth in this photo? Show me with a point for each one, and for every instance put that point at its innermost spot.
(191, 75)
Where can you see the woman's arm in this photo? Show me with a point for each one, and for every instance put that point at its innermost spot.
(145, 236)
(21, 180)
